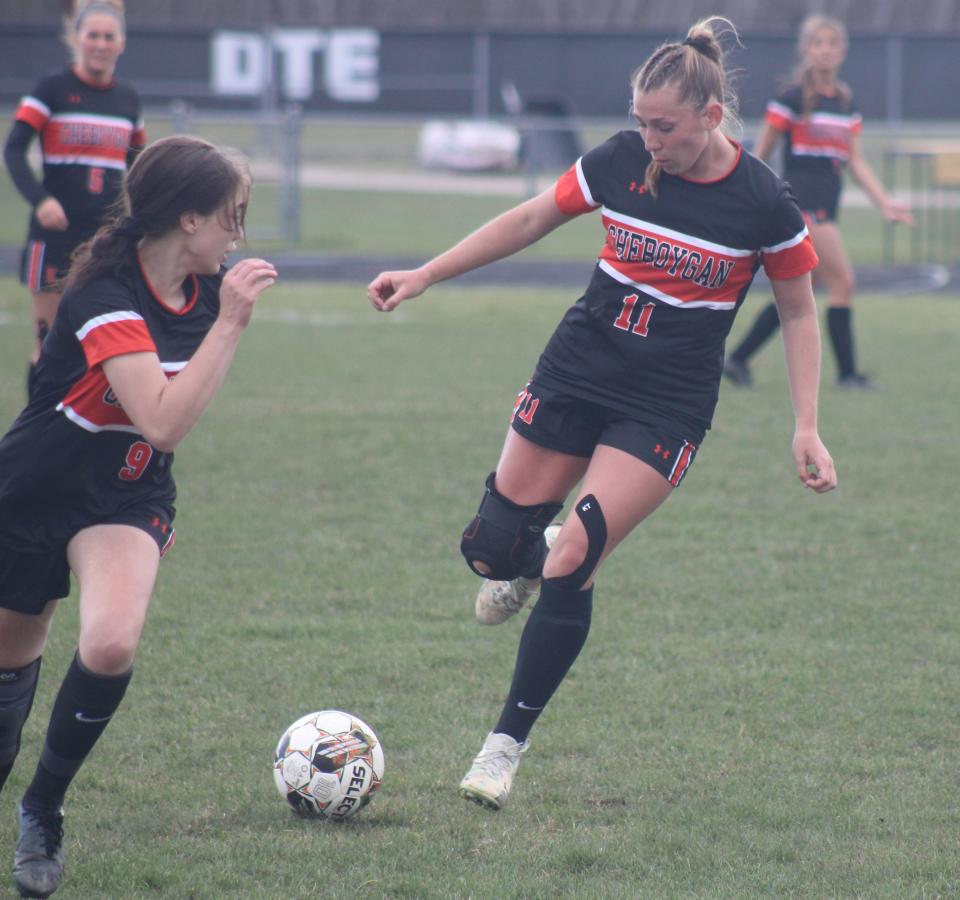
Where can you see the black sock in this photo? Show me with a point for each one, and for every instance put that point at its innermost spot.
(80, 713)
(17, 687)
(764, 327)
(840, 327)
(551, 640)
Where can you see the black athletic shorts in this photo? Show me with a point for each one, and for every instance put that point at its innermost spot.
(45, 259)
(817, 197)
(28, 581)
(571, 425)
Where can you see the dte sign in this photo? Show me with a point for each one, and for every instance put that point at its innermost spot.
(242, 62)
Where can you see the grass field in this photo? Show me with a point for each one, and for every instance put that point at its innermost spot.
(766, 705)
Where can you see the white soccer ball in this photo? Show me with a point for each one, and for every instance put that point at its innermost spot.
(328, 764)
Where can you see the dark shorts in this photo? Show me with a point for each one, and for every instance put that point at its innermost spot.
(571, 425)
(820, 215)
(45, 259)
(817, 197)
(28, 581)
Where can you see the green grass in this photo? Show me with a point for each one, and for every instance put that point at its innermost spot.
(766, 705)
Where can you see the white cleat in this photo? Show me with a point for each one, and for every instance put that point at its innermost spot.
(491, 776)
(497, 601)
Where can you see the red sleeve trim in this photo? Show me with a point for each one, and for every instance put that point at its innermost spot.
(781, 123)
(32, 116)
(791, 261)
(569, 193)
(115, 339)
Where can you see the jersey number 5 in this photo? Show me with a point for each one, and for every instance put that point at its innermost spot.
(95, 180)
(138, 458)
(625, 319)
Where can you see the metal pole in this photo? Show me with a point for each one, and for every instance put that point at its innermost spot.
(481, 75)
(290, 205)
(894, 80)
(889, 169)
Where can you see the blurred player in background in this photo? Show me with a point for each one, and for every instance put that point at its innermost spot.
(90, 128)
(818, 120)
(144, 336)
(625, 391)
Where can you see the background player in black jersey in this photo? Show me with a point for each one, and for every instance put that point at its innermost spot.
(90, 128)
(142, 341)
(817, 118)
(625, 390)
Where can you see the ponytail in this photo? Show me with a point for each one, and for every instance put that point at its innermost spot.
(110, 250)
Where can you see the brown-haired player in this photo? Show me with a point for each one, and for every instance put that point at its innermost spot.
(145, 333)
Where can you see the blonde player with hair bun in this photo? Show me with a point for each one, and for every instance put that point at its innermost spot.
(817, 120)
(624, 393)
(90, 128)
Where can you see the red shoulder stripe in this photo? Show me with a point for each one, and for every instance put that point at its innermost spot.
(114, 334)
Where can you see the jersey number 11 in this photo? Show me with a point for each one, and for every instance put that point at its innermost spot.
(625, 319)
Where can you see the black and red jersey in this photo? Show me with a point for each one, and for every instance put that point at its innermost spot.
(73, 456)
(87, 134)
(648, 336)
(817, 143)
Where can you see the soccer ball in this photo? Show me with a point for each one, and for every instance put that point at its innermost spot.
(328, 764)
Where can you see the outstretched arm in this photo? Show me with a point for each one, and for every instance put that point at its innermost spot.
(503, 236)
(801, 340)
(893, 210)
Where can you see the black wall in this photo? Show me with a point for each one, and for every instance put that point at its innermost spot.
(460, 73)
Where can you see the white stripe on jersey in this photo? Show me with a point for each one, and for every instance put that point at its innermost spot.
(107, 319)
(87, 425)
(835, 120)
(173, 366)
(94, 119)
(86, 159)
(660, 231)
(786, 245)
(660, 295)
(36, 104)
(818, 150)
(782, 110)
(584, 187)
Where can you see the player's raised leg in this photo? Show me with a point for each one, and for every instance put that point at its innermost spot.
(512, 529)
(618, 492)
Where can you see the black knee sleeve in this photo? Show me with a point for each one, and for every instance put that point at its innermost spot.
(506, 538)
(590, 514)
(17, 687)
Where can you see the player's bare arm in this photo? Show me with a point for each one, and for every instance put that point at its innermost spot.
(503, 236)
(801, 340)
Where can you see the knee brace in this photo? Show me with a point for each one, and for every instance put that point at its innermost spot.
(591, 516)
(16, 699)
(506, 538)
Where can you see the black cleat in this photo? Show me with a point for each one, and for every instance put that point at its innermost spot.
(737, 372)
(38, 861)
(855, 382)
